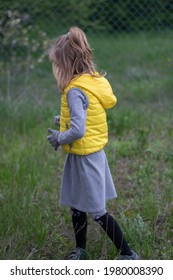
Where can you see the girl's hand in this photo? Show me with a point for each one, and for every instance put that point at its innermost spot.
(53, 138)
(57, 120)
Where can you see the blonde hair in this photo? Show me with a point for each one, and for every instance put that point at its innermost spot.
(71, 56)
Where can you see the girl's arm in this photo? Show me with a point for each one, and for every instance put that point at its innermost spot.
(78, 104)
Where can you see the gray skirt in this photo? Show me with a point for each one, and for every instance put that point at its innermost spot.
(87, 182)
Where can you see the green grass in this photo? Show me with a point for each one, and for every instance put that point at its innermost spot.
(140, 154)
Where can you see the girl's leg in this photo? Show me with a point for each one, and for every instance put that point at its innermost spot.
(79, 220)
(111, 227)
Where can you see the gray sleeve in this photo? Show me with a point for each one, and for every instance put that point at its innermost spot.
(78, 104)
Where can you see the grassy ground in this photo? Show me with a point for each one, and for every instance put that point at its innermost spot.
(140, 154)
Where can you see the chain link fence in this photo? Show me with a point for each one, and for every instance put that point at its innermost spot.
(108, 16)
(26, 27)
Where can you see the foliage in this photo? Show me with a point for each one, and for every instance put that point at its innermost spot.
(21, 48)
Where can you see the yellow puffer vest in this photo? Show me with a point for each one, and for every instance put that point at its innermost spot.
(100, 97)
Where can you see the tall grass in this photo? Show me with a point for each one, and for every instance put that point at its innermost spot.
(140, 154)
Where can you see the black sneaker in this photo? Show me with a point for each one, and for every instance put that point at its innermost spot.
(77, 254)
(134, 256)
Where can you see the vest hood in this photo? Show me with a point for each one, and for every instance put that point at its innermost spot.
(98, 86)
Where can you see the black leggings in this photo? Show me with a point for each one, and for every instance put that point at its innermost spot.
(107, 222)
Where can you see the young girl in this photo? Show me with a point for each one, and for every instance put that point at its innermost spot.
(87, 182)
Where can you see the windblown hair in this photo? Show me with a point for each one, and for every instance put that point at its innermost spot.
(71, 56)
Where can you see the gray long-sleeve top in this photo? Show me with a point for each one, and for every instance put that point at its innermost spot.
(78, 104)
